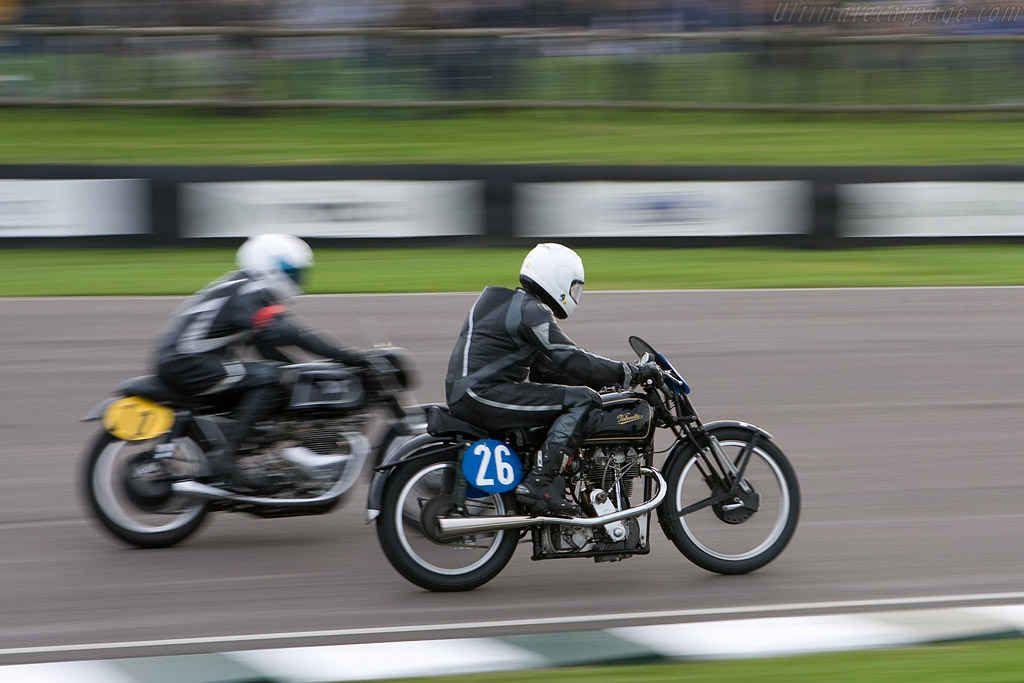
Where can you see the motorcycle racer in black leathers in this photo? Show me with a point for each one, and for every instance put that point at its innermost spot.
(201, 352)
(513, 366)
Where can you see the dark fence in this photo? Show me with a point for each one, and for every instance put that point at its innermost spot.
(970, 63)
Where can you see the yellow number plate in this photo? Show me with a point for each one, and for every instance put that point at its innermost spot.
(135, 419)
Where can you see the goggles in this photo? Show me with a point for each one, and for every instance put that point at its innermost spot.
(576, 290)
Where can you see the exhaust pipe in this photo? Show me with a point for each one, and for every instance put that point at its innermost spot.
(456, 526)
(198, 490)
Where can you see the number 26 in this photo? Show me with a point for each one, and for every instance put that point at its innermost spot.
(504, 470)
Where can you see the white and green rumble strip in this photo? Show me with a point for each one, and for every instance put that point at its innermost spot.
(730, 638)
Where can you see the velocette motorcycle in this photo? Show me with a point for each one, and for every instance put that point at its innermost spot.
(145, 477)
(448, 520)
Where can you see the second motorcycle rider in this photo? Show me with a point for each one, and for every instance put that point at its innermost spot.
(199, 352)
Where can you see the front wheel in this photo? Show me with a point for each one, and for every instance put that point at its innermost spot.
(416, 494)
(129, 491)
(739, 534)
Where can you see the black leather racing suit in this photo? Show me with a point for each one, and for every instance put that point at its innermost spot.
(198, 353)
(511, 337)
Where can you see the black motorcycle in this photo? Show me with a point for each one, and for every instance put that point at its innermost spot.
(147, 478)
(448, 520)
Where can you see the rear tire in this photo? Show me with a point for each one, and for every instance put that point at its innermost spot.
(415, 495)
(129, 492)
(741, 540)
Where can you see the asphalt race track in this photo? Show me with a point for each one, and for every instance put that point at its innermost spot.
(900, 409)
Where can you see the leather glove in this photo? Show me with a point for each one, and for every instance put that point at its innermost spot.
(645, 371)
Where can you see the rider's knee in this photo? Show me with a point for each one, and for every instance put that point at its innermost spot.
(582, 397)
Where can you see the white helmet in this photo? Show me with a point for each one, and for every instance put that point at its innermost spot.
(554, 273)
(278, 261)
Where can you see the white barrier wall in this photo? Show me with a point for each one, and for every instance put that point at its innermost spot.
(73, 208)
(663, 209)
(931, 209)
(345, 208)
(510, 204)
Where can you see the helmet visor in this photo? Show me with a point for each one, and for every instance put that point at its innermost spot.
(576, 290)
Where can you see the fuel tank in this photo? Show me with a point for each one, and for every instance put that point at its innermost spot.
(622, 417)
(332, 389)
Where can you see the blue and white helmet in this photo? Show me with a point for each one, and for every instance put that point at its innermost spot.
(554, 273)
(278, 262)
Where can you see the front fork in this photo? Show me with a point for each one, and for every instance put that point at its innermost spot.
(729, 467)
(723, 475)
(741, 492)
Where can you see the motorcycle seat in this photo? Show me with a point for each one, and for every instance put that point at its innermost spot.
(152, 388)
(440, 422)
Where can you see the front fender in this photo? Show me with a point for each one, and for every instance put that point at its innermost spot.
(418, 446)
(723, 424)
(682, 448)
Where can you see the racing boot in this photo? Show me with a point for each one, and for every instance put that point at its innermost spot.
(542, 490)
(224, 470)
(255, 405)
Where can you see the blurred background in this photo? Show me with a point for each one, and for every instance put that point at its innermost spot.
(644, 53)
(864, 384)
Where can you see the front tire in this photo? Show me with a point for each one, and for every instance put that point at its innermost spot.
(416, 494)
(129, 492)
(735, 541)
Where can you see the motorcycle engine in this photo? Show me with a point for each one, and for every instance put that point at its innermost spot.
(613, 469)
(302, 456)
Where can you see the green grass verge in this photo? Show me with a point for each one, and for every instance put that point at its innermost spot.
(70, 272)
(574, 137)
(981, 662)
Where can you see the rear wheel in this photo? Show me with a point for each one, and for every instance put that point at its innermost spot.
(129, 491)
(742, 533)
(417, 494)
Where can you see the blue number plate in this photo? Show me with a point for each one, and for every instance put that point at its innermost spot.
(491, 466)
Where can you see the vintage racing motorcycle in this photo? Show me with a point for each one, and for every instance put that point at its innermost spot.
(143, 477)
(447, 518)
